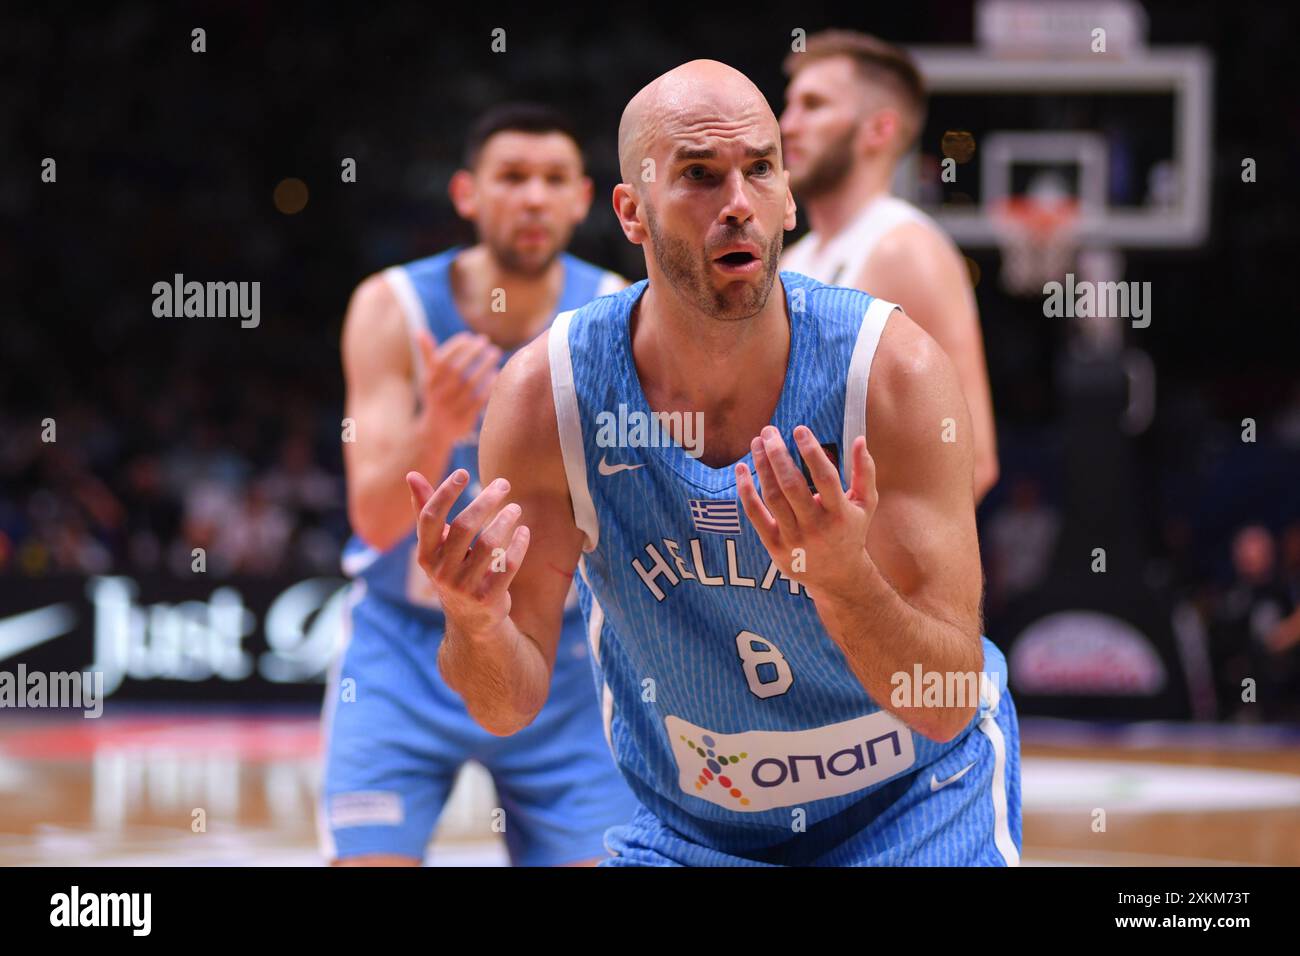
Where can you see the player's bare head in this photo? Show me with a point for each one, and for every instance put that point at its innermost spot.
(851, 97)
(704, 191)
(522, 185)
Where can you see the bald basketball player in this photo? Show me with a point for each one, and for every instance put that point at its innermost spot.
(749, 621)
(422, 343)
(854, 106)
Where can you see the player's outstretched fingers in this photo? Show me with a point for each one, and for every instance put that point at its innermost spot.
(825, 476)
(789, 478)
(476, 514)
(489, 549)
(771, 490)
(432, 506)
(768, 531)
(479, 384)
(444, 378)
(515, 551)
(862, 482)
(460, 363)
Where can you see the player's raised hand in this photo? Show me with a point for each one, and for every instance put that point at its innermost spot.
(828, 528)
(472, 583)
(457, 381)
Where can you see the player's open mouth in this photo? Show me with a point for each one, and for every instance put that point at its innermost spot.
(738, 263)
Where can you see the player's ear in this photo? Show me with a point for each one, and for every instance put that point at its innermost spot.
(882, 128)
(627, 207)
(461, 191)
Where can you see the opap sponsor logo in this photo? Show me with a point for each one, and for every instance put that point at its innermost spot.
(767, 769)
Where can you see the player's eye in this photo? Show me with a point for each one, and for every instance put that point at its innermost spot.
(690, 173)
(762, 167)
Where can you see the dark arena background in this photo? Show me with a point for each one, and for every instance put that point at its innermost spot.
(1141, 546)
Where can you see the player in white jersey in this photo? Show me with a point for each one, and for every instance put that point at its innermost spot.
(854, 106)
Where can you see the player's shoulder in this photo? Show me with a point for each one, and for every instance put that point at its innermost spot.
(379, 288)
(374, 313)
(909, 369)
(575, 333)
(521, 421)
(527, 373)
(913, 243)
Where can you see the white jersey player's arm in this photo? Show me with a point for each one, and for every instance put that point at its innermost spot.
(390, 434)
(920, 269)
(504, 615)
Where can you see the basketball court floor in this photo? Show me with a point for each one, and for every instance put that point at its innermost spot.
(152, 787)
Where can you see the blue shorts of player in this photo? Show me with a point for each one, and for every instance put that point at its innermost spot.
(963, 810)
(392, 754)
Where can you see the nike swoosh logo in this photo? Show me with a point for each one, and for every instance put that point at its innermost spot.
(937, 784)
(23, 631)
(605, 468)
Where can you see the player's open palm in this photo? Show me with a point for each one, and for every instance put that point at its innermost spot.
(815, 539)
(458, 377)
(472, 582)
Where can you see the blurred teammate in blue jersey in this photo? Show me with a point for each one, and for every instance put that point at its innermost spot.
(422, 345)
(785, 625)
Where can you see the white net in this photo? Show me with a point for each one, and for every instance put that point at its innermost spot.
(1038, 241)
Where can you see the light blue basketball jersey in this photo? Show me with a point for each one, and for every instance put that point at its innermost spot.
(728, 706)
(423, 288)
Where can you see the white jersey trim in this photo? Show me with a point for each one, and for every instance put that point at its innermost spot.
(324, 832)
(570, 428)
(413, 311)
(594, 626)
(1001, 829)
(356, 562)
(855, 391)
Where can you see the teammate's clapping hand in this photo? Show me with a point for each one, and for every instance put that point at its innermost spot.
(830, 527)
(457, 380)
(472, 583)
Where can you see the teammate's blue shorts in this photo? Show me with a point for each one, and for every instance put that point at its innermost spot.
(962, 810)
(396, 737)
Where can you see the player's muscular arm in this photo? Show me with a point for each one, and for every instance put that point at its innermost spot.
(924, 273)
(504, 599)
(402, 425)
(893, 564)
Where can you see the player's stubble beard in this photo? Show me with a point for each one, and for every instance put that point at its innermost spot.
(688, 271)
(828, 170)
(512, 262)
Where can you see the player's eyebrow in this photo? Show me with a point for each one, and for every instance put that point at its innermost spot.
(683, 153)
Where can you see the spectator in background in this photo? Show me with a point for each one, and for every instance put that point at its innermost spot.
(297, 483)
(1254, 633)
(256, 538)
(1019, 542)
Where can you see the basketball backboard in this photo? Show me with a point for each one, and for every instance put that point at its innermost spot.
(1066, 98)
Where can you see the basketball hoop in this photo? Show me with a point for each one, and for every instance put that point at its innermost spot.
(1037, 236)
